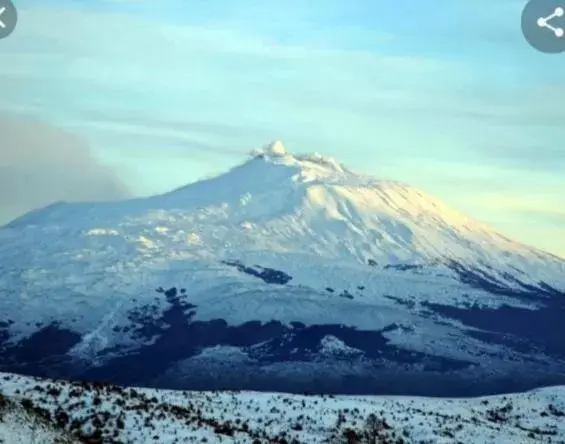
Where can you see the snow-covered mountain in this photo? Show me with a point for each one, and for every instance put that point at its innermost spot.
(50, 412)
(287, 272)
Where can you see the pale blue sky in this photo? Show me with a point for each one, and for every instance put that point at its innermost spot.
(444, 94)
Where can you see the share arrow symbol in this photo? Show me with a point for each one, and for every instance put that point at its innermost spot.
(543, 22)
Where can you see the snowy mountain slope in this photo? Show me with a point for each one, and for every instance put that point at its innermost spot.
(107, 414)
(305, 215)
(281, 249)
(308, 194)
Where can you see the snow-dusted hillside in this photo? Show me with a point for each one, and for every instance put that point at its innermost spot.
(106, 414)
(266, 265)
(21, 424)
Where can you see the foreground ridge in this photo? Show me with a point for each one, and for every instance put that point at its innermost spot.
(98, 413)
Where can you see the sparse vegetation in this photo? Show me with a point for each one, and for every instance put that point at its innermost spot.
(92, 413)
(374, 430)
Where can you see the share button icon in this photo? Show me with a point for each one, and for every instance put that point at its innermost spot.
(543, 22)
(543, 25)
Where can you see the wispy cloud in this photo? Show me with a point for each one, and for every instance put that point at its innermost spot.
(41, 164)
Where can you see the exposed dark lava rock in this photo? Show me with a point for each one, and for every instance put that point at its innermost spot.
(269, 275)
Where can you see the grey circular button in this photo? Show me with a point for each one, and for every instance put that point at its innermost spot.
(8, 18)
(543, 25)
